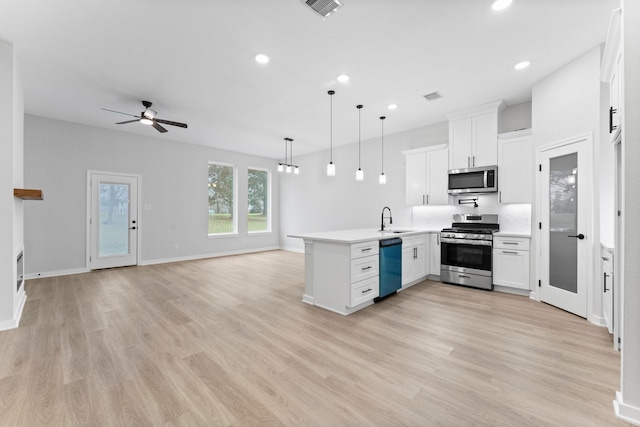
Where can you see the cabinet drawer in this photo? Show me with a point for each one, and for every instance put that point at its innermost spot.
(364, 268)
(364, 291)
(511, 268)
(359, 250)
(410, 241)
(514, 243)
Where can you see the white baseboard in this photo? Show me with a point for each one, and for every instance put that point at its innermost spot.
(14, 323)
(514, 291)
(205, 256)
(32, 276)
(308, 299)
(630, 414)
(292, 249)
(597, 320)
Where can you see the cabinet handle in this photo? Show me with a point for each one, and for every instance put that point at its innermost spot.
(468, 161)
(474, 160)
(612, 111)
(500, 196)
(605, 283)
(604, 258)
(510, 243)
(438, 239)
(427, 199)
(366, 268)
(415, 253)
(368, 290)
(365, 249)
(423, 199)
(510, 252)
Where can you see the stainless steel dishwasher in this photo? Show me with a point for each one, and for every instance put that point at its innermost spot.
(390, 267)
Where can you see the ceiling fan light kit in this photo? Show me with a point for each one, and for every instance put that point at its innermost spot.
(148, 117)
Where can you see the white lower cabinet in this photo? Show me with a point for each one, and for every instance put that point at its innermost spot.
(434, 254)
(511, 262)
(414, 259)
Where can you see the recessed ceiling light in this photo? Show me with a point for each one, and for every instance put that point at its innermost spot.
(392, 106)
(522, 65)
(500, 4)
(343, 78)
(262, 58)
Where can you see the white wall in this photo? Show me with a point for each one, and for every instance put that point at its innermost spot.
(11, 225)
(630, 367)
(174, 182)
(516, 117)
(567, 104)
(313, 202)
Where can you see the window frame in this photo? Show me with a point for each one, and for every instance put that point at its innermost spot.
(234, 209)
(268, 210)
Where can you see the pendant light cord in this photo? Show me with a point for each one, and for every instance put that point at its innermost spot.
(359, 107)
(382, 151)
(331, 93)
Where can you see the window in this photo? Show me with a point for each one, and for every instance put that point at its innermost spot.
(222, 199)
(258, 192)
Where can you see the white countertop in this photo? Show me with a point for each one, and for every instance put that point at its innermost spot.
(360, 235)
(512, 234)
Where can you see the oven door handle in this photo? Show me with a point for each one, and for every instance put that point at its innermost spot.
(466, 242)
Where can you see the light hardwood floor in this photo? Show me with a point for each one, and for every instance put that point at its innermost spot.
(227, 341)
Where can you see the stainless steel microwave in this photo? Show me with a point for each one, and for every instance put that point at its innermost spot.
(473, 180)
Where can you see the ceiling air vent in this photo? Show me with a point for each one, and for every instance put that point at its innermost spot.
(323, 8)
(433, 96)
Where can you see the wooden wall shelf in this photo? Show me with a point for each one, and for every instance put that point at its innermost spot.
(27, 194)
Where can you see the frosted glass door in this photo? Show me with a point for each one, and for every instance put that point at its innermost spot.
(563, 222)
(113, 221)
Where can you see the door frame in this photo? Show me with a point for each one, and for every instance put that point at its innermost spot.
(589, 227)
(89, 202)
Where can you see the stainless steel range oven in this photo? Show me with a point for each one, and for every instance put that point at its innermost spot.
(466, 250)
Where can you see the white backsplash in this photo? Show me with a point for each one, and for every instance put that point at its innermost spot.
(514, 218)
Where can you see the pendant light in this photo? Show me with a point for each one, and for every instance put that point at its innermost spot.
(331, 168)
(288, 166)
(359, 172)
(383, 177)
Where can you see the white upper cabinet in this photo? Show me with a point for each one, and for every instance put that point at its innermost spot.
(610, 73)
(515, 167)
(427, 175)
(473, 136)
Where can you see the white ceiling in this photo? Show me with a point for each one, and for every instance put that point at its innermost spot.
(194, 59)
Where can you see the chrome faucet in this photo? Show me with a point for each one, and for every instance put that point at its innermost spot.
(382, 218)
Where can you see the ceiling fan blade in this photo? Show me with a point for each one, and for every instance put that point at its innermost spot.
(128, 121)
(158, 127)
(169, 122)
(120, 112)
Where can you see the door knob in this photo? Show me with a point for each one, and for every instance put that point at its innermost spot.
(132, 228)
(579, 236)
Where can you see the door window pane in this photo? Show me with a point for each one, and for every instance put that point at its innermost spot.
(258, 201)
(114, 219)
(222, 209)
(563, 222)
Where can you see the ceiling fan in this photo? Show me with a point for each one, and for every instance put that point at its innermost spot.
(148, 117)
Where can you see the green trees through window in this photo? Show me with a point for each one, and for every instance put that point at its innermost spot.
(258, 200)
(221, 199)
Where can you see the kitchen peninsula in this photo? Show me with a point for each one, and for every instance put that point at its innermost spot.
(342, 267)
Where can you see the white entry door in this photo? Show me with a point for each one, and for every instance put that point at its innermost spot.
(113, 220)
(566, 217)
